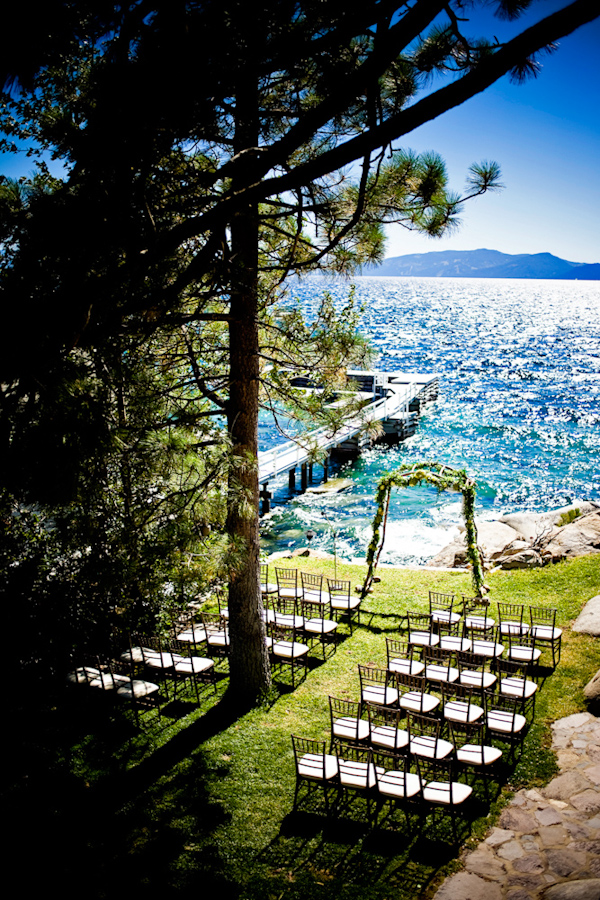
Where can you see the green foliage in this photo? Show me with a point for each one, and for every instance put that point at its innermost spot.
(443, 478)
(568, 517)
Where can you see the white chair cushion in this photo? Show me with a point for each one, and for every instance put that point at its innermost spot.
(487, 648)
(343, 603)
(389, 737)
(82, 675)
(197, 634)
(447, 674)
(429, 747)
(351, 729)
(505, 722)
(513, 628)
(479, 622)
(289, 649)
(478, 754)
(315, 597)
(357, 775)
(193, 665)
(450, 642)
(320, 626)
(415, 701)
(374, 693)
(288, 620)
(423, 638)
(398, 784)
(546, 632)
(406, 666)
(440, 615)
(137, 689)
(109, 682)
(476, 679)
(524, 654)
(268, 588)
(517, 687)
(447, 793)
(458, 711)
(135, 654)
(315, 767)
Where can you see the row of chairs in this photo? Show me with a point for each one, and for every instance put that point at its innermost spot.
(116, 678)
(171, 661)
(315, 590)
(299, 612)
(476, 666)
(381, 778)
(504, 709)
(408, 734)
(514, 620)
(146, 672)
(431, 722)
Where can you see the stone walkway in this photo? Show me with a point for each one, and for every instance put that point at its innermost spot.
(547, 844)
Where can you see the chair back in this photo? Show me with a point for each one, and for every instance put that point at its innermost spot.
(310, 758)
(346, 722)
(400, 656)
(542, 617)
(355, 767)
(440, 602)
(510, 618)
(342, 590)
(286, 578)
(311, 582)
(437, 656)
(462, 702)
(385, 729)
(439, 782)
(377, 685)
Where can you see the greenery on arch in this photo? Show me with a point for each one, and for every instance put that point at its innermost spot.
(443, 478)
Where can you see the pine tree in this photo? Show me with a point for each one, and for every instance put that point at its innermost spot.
(213, 149)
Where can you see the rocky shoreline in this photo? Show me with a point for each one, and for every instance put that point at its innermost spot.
(515, 541)
(530, 540)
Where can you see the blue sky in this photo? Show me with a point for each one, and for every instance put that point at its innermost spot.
(546, 136)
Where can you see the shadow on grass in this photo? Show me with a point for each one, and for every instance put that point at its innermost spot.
(331, 856)
(117, 828)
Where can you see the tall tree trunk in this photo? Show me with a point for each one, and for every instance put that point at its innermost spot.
(250, 676)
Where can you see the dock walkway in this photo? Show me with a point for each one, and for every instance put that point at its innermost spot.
(396, 402)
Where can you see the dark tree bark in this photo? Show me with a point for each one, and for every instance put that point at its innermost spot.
(249, 665)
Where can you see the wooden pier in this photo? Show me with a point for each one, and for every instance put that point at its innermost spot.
(391, 398)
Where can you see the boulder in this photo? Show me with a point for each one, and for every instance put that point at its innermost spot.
(533, 526)
(333, 486)
(575, 539)
(468, 886)
(453, 556)
(592, 689)
(529, 540)
(588, 620)
(523, 559)
(493, 537)
(314, 553)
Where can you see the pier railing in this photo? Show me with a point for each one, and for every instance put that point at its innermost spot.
(313, 445)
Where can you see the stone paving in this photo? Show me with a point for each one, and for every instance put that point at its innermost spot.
(547, 842)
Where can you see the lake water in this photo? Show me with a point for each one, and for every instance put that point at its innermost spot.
(519, 407)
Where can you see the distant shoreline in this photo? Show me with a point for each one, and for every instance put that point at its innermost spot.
(484, 264)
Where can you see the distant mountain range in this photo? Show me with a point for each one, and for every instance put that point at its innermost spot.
(485, 264)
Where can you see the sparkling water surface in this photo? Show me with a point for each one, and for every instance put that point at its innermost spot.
(519, 407)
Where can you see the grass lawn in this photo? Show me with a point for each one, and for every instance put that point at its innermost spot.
(202, 802)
